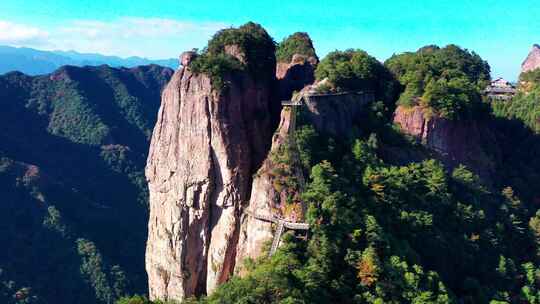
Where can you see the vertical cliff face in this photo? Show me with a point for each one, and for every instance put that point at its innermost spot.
(533, 59)
(332, 114)
(457, 142)
(264, 199)
(335, 114)
(205, 147)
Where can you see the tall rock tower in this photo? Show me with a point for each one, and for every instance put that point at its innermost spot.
(212, 132)
(533, 59)
(210, 161)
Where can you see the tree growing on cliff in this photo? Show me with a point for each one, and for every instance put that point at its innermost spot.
(297, 43)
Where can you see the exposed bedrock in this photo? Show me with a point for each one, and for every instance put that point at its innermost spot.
(205, 147)
(210, 159)
(471, 143)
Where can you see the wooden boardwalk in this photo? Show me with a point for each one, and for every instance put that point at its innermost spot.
(291, 102)
(281, 225)
(277, 238)
(297, 101)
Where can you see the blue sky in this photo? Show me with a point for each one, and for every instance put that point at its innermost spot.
(502, 32)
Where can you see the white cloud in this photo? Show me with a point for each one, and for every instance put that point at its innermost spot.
(20, 34)
(130, 28)
(127, 36)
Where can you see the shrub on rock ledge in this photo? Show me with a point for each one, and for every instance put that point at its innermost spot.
(248, 47)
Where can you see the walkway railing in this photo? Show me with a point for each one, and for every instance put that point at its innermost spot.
(281, 225)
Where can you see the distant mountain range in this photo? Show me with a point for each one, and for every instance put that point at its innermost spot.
(37, 62)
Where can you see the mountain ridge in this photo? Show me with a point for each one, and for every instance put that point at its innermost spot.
(36, 62)
(72, 152)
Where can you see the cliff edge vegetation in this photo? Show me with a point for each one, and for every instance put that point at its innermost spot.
(389, 223)
(448, 81)
(298, 43)
(248, 47)
(381, 232)
(355, 70)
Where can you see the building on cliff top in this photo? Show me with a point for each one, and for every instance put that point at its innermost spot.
(500, 89)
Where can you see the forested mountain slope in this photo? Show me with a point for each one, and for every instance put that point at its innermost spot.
(73, 205)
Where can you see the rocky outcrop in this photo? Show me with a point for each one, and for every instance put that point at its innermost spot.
(295, 75)
(456, 142)
(331, 114)
(212, 157)
(187, 57)
(235, 51)
(206, 145)
(336, 114)
(533, 59)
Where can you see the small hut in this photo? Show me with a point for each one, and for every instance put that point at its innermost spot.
(500, 89)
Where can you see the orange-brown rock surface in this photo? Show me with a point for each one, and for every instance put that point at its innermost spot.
(533, 59)
(456, 142)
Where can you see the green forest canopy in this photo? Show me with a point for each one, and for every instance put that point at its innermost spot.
(384, 233)
(446, 80)
(251, 39)
(297, 43)
(356, 70)
(84, 133)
